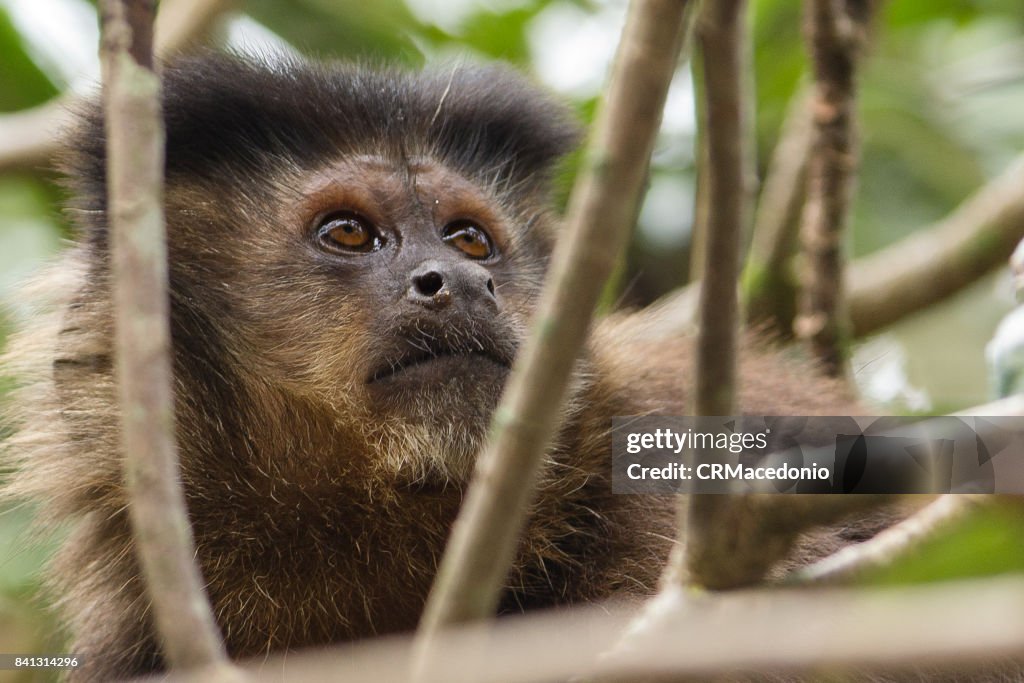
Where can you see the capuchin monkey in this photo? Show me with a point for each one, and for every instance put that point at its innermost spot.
(355, 256)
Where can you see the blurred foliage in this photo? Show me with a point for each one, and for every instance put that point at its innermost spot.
(375, 31)
(984, 543)
(25, 627)
(31, 86)
(940, 104)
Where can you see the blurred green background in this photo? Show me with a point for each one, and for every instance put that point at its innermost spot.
(942, 110)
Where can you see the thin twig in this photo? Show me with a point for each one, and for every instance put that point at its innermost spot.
(135, 141)
(891, 544)
(769, 285)
(836, 30)
(933, 263)
(826, 631)
(600, 217)
(183, 23)
(30, 138)
(1009, 406)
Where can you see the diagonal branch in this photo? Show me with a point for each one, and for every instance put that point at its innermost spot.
(600, 217)
(897, 541)
(933, 263)
(769, 285)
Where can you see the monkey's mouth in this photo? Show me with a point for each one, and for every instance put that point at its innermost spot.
(436, 361)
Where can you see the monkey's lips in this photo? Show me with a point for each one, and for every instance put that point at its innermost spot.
(438, 363)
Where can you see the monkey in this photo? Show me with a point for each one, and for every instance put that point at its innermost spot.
(354, 257)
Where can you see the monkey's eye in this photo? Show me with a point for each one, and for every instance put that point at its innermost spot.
(348, 232)
(468, 238)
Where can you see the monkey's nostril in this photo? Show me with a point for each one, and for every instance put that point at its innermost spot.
(429, 283)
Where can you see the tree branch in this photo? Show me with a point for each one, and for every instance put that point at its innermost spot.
(601, 212)
(769, 285)
(683, 634)
(161, 531)
(933, 263)
(723, 36)
(735, 540)
(925, 268)
(930, 629)
(182, 23)
(702, 197)
(30, 138)
(897, 541)
(836, 30)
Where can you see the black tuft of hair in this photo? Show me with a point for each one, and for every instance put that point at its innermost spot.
(232, 114)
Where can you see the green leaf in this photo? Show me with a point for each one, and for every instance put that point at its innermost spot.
(22, 83)
(501, 35)
(985, 543)
(376, 31)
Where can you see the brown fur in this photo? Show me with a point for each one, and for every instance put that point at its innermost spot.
(292, 562)
(320, 512)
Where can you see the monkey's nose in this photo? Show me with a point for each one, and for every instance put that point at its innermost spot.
(430, 289)
(435, 284)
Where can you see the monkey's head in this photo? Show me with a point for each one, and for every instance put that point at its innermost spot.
(366, 243)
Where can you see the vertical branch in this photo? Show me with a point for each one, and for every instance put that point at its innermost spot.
(722, 33)
(836, 30)
(600, 217)
(769, 287)
(135, 140)
(702, 205)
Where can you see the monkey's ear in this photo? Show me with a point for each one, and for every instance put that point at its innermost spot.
(492, 121)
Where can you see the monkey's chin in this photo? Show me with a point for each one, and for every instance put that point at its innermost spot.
(437, 414)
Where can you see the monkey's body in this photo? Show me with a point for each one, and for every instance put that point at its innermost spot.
(340, 340)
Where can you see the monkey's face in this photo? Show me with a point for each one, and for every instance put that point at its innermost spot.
(395, 295)
(354, 254)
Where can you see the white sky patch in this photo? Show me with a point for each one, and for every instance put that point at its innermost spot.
(572, 48)
(450, 14)
(667, 215)
(249, 36)
(25, 244)
(62, 37)
(680, 117)
(880, 371)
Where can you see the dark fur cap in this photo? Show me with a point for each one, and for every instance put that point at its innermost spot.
(234, 114)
